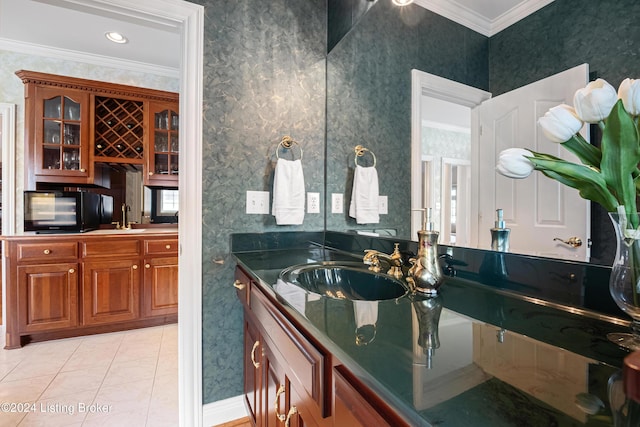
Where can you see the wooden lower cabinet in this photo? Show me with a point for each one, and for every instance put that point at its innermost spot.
(290, 381)
(160, 289)
(68, 286)
(110, 291)
(48, 296)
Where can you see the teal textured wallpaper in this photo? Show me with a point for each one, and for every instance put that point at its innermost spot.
(264, 77)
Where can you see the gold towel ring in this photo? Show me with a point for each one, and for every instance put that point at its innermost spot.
(286, 143)
(359, 150)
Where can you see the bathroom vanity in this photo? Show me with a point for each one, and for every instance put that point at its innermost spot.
(86, 283)
(483, 353)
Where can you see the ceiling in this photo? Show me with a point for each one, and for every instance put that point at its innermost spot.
(78, 27)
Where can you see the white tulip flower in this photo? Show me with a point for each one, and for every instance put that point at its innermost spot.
(512, 163)
(560, 123)
(629, 92)
(594, 102)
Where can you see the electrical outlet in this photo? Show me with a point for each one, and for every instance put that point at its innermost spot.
(257, 202)
(337, 203)
(383, 205)
(313, 202)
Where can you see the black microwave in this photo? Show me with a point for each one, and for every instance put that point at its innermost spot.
(62, 211)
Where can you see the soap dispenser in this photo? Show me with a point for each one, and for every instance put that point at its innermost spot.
(500, 234)
(425, 274)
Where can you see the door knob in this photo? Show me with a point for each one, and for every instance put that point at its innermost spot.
(574, 242)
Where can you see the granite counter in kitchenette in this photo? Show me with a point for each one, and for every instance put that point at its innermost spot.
(493, 349)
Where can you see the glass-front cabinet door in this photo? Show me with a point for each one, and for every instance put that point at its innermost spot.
(61, 137)
(164, 145)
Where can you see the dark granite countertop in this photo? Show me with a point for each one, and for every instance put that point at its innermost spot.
(503, 358)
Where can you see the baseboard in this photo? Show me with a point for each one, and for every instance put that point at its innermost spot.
(223, 411)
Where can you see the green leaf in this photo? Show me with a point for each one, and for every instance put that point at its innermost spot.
(588, 154)
(589, 182)
(620, 156)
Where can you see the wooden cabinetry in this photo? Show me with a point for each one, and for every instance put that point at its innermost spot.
(85, 284)
(72, 125)
(160, 290)
(164, 146)
(290, 380)
(281, 390)
(57, 126)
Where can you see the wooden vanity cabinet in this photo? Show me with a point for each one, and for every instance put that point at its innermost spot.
(290, 380)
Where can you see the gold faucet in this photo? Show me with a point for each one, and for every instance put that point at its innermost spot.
(372, 259)
(126, 225)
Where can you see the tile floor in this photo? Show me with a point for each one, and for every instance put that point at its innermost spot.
(118, 379)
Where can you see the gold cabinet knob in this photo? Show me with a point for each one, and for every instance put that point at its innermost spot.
(168, 247)
(147, 266)
(71, 271)
(150, 173)
(239, 285)
(83, 170)
(47, 251)
(135, 267)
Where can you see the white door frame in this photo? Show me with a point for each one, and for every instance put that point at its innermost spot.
(188, 19)
(447, 90)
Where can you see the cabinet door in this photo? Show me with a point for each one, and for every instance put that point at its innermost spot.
(59, 135)
(275, 390)
(164, 145)
(253, 371)
(110, 291)
(47, 296)
(160, 287)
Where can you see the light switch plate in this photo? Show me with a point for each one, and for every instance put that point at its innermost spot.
(337, 203)
(313, 202)
(257, 202)
(383, 205)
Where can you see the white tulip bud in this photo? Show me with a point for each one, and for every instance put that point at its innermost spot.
(629, 92)
(594, 102)
(560, 123)
(512, 163)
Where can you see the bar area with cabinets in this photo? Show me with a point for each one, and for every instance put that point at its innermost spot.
(118, 141)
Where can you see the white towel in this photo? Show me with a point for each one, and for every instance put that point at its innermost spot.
(364, 196)
(288, 192)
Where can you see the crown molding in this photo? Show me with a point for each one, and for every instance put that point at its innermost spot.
(87, 58)
(473, 20)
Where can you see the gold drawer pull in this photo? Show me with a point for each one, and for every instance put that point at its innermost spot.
(47, 251)
(168, 247)
(281, 417)
(135, 267)
(292, 411)
(71, 271)
(147, 266)
(239, 285)
(253, 354)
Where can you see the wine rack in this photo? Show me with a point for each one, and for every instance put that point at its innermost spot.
(119, 130)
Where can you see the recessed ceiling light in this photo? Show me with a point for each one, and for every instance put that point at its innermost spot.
(402, 2)
(116, 37)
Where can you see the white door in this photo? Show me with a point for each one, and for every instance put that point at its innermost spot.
(537, 209)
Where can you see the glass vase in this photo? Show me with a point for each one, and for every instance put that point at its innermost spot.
(624, 283)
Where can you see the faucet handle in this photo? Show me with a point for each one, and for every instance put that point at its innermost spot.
(371, 259)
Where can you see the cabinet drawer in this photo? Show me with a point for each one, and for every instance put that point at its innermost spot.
(161, 247)
(306, 365)
(111, 248)
(54, 252)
